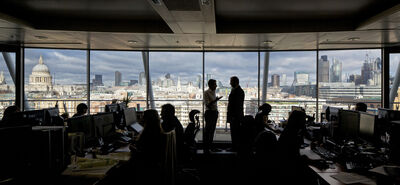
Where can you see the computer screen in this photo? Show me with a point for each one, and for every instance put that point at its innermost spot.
(112, 108)
(32, 117)
(122, 106)
(367, 125)
(333, 113)
(297, 108)
(82, 124)
(348, 124)
(130, 116)
(104, 124)
(388, 114)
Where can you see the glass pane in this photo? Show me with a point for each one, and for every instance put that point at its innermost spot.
(393, 74)
(118, 76)
(223, 65)
(350, 76)
(54, 76)
(176, 78)
(291, 82)
(7, 86)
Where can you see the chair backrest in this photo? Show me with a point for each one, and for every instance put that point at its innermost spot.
(170, 160)
(266, 144)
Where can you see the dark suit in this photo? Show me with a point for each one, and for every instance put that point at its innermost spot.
(235, 113)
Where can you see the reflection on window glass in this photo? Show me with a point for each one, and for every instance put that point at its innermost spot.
(176, 78)
(291, 82)
(223, 65)
(348, 77)
(118, 76)
(7, 87)
(55, 77)
(393, 74)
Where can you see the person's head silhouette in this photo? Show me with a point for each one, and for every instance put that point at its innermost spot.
(167, 111)
(234, 81)
(361, 107)
(192, 115)
(81, 109)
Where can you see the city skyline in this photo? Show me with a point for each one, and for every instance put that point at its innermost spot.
(74, 68)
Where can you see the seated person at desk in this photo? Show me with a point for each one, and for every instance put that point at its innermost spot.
(191, 131)
(9, 115)
(292, 164)
(261, 118)
(171, 122)
(362, 107)
(147, 151)
(81, 110)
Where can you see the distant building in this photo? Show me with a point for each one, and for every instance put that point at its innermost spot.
(199, 82)
(98, 80)
(275, 80)
(355, 78)
(40, 79)
(323, 69)
(283, 80)
(371, 71)
(132, 82)
(118, 78)
(301, 78)
(2, 79)
(336, 71)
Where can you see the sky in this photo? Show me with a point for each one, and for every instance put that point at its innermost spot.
(69, 66)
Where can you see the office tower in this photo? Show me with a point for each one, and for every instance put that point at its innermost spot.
(142, 78)
(355, 78)
(199, 82)
(283, 80)
(98, 80)
(323, 69)
(336, 71)
(275, 80)
(118, 78)
(301, 78)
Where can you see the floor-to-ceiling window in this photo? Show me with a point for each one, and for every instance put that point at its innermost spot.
(350, 76)
(7, 87)
(223, 65)
(117, 76)
(55, 77)
(177, 78)
(291, 81)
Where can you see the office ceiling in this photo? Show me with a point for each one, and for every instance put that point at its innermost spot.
(200, 24)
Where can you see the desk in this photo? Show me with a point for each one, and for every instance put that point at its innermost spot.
(325, 175)
(87, 167)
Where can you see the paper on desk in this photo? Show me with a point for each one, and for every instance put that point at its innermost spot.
(352, 178)
(381, 170)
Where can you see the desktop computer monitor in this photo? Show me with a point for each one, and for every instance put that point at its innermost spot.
(53, 117)
(333, 113)
(349, 123)
(367, 126)
(122, 106)
(104, 124)
(82, 124)
(388, 114)
(298, 108)
(32, 117)
(131, 121)
(112, 108)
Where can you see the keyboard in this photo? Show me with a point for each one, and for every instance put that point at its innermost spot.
(357, 166)
(125, 138)
(324, 153)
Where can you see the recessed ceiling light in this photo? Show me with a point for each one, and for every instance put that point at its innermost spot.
(200, 41)
(132, 41)
(267, 42)
(157, 2)
(354, 38)
(40, 37)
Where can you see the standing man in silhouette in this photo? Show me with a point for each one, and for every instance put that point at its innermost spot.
(211, 114)
(235, 110)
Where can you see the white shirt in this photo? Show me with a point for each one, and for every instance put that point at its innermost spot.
(209, 96)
